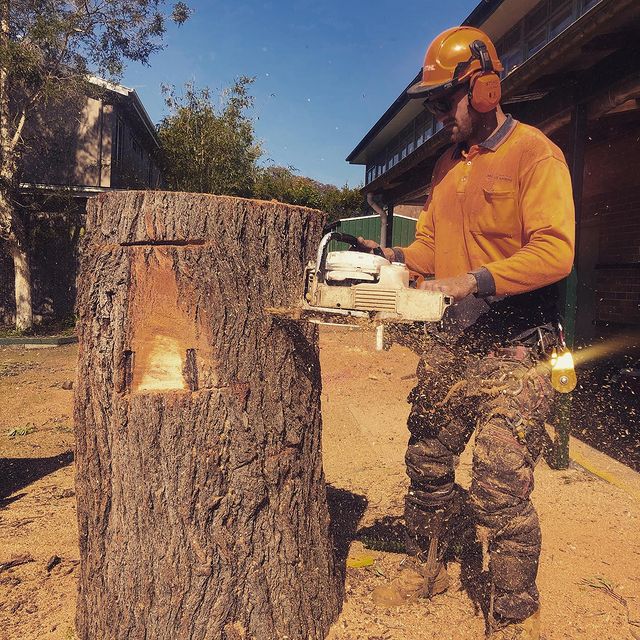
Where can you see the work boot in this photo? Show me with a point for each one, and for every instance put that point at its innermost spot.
(528, 629)
(410, 584)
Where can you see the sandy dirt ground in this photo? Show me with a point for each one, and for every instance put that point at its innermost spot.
(590, 562)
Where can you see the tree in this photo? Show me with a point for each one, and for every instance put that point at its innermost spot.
(201, 498)
(213, 150)
(208, 149)
(282, 184)
(46, 51)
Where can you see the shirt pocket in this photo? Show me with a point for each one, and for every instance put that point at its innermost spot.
(497, 214)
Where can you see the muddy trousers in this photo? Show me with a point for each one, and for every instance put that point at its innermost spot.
(505, 401)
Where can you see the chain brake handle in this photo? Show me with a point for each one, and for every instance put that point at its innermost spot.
(353, 241)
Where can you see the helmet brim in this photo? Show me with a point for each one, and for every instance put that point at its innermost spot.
(430, 91)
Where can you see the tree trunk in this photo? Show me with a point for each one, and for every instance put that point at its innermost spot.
(201, 498)
(14, 234)
(22, 280)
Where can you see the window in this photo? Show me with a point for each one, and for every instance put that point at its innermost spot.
(371, 169)
(118, 141)
(137, 149)
(424, 128)
(587, 4)
(512, 40)
(536, 41)
(562, 16)
(511, 60)
(536, 17)
(510, 49)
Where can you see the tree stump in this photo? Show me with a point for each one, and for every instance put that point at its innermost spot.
(201, 496)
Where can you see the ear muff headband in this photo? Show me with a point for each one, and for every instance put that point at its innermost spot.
(484, 85)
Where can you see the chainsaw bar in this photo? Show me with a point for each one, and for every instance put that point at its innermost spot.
(348, 317)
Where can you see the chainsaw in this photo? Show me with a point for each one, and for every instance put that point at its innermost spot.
(353, 287)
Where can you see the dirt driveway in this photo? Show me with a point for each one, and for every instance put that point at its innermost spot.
(591, 545)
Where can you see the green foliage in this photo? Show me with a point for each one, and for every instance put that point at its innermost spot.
(282, 184)
(47, 45)
(21, 431)
(208, 149)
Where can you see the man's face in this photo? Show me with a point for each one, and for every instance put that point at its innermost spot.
(455, 114)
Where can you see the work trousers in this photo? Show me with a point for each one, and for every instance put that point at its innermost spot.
(504, 397)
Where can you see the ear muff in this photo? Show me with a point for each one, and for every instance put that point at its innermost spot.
(485, 91)
(484, 86)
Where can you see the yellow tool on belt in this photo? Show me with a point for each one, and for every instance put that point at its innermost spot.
(563, 373)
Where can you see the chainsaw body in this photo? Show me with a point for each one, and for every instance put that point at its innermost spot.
(363, 285)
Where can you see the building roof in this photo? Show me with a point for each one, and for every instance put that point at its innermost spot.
(133, 104)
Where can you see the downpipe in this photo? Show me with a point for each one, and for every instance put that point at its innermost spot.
(383, 218)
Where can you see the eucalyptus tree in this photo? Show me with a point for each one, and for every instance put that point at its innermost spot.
(209, 146)
(47, 50)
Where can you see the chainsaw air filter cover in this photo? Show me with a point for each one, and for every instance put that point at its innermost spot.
(353, 265)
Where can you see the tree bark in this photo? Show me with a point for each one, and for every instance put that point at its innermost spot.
(201, 497)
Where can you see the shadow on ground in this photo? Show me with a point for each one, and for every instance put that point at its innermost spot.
(385, 534)
(605, 411)
(388, 534)
(345, 511)
(17, 473)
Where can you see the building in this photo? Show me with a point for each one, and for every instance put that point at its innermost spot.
(572, 68)
(96, 142)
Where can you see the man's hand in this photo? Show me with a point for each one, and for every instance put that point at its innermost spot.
(457, 287)
(368, 245)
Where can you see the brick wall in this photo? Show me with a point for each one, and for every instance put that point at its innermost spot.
(617, 277)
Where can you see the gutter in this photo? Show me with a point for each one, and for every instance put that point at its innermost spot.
(144, 117)
(481, 13)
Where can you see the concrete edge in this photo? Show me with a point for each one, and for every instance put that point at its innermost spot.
(605, 467)
(49, 341)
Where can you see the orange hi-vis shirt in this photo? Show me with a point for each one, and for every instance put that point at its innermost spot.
(505, 205)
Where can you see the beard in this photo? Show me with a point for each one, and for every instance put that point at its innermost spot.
(459, 132)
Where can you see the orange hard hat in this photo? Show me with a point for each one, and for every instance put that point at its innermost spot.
(452, 58)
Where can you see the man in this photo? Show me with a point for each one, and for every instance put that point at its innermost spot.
(496, 231)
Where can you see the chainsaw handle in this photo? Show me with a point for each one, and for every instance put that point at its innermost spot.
(347, 238)
(321, 256)
(353, 241)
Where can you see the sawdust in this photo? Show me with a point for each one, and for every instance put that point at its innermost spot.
(590, 528)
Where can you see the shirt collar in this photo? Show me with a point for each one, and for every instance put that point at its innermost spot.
(493, 141)
(499, 136)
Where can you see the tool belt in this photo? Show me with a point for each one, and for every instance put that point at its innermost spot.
(547, 342)
(541, 339)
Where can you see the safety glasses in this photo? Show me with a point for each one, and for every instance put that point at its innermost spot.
(439, 107)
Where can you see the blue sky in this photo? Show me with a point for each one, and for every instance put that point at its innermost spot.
(325, 71)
